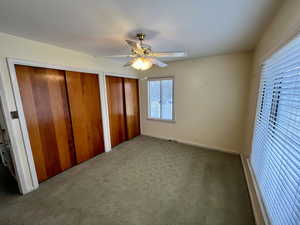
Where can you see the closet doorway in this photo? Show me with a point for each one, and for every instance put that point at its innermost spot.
(75, 116)
(123, 108)
(62, 110)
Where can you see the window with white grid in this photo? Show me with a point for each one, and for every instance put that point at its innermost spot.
(275, 156)
(161, 99)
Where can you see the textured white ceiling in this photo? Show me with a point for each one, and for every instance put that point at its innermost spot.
(99, 27)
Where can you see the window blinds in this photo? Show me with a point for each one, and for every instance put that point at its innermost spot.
(275, 154)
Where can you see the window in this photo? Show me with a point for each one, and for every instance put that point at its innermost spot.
(262, 101)
(160, 99)
(275, 156)
(275, 103)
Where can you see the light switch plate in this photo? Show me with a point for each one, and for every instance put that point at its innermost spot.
(14, 114)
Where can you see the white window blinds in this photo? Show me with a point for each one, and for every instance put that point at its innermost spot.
(275, 154)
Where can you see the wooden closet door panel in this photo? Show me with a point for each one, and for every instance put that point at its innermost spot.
(115, 96)
(131, 91)
(45, 105)
(85, 107)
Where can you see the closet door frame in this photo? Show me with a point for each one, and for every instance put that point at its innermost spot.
(24, 164)
(106, 98)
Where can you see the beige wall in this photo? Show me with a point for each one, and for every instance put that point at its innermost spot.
(283, 28)
(20, 48)
(15, 47)
(210, 101)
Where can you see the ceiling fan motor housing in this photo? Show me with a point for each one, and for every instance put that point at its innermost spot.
(146, 48)
(140, 36)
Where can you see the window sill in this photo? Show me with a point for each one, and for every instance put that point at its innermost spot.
(162, 120)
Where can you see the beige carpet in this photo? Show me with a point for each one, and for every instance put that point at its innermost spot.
(145, 181)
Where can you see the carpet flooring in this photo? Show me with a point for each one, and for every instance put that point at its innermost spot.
(145, 181)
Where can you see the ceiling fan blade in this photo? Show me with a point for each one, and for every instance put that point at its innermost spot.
(128, 63)
(120, 56)
(133, 44)
(168, 54)
(136, 47)
(158, 63)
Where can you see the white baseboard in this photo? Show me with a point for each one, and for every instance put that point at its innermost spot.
(259, 210)
(194, 144)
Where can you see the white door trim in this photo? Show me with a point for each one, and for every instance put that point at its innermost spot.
(105, 115)
(122, 75)
(22, 121)
(26, 183)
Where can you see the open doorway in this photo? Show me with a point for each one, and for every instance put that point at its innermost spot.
(8, 183)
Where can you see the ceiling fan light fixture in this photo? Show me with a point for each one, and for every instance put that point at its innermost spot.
(142, 63)
(142, 56)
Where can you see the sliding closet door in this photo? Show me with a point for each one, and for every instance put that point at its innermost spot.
(85, 107)
(45, 104)
(131, 92)
(115, 96)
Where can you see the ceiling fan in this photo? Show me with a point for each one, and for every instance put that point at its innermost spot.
(143, 57)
